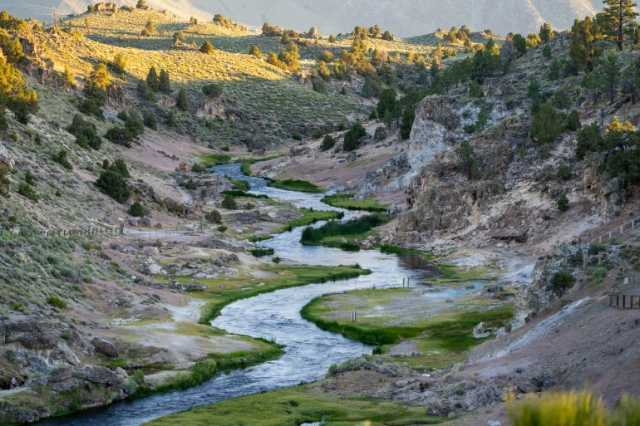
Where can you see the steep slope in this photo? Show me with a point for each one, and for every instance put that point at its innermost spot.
(404, 17)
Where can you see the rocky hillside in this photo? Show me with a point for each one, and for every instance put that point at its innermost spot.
(409, 18)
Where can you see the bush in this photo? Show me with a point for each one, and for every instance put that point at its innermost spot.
(4, 179)
(408, 118)
(150, 119)
(213, 216)
(564, 172)
(61, 158)
(573, 121)
(570, 409)
(57, 302)
(207, 48)
(27, 191)
(119, 136)
(119, 64)
(562, 281)
(85, 132)
(92, 105)
(353, 137)
(212, 90)
(548, 124)
(563, 203)
(182, 102)
(328, 143)
(229, 203)
(589, 140)
(113, 181)
(137, 210)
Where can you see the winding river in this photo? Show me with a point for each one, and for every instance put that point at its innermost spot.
(309, 351)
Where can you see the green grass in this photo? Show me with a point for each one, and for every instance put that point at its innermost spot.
(214, 364)
(210, 160)
(224, 291)
(343, 235)
(262, 252)
(309, 217)
(444, 337)
(296, 185)
(240, 185)
(302, 404)
(238, 193)
(347, 201)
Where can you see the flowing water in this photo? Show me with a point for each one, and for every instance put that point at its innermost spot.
(309, 351)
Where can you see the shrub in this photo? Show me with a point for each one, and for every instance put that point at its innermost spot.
(563, 203)
(4, 179)
(213, 216)
(562, 281)
(328, 143)
(589, 140)
(573, 121)
(571, 409)
(408, 117)
(182, 102)
(137, 210)
(229, 203)
(119, 64)
(212, 90)
(353, 137)
(85, 132)
(119, 136)
(150, 119)
(207, 48)
(222, 229)
(113, 181)
(27, 191)
(92, 105)
(255, 51)
(61, 158)
(548, 124)
(57, 302)
(564, 172)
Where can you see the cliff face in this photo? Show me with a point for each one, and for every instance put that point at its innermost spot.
(508, 187)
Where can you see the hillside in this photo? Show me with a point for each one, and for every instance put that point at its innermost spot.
(406, 18)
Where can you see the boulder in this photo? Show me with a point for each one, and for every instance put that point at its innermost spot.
(105, 347)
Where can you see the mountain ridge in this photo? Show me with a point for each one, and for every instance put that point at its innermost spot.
(405, 18)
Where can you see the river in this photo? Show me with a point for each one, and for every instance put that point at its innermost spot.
(309, 351)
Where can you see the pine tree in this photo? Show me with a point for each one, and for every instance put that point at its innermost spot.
(583, 48)
(546, 32)
(620, 16)
(152, 79)
(182, 103)
(164, 84)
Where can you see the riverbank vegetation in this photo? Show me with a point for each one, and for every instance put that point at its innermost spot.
(440, 335)
(298, 405)
(343, 235)
(311, 216)
(297, 186)
(347, 201)
(211, 366)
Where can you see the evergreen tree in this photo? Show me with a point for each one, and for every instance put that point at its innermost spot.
(520, 44)
(546, 33)
(164, 83)
(620, 16)
(583, 49)
(182, 102)
(152, 79)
